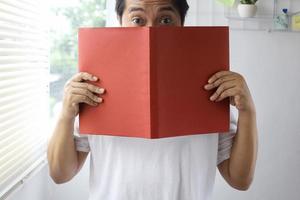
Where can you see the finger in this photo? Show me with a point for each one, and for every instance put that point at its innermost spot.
(89, 87)
(84, 76)
(83, 99)
(219, 82)
(231, 92)
(86, 92)
(218, 75)
(232, 102)
(224, 86)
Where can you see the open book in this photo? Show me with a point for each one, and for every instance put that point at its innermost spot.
(154, 79)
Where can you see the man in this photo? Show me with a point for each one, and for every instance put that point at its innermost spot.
(181, 168)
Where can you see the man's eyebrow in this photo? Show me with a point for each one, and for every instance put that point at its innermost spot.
(132, 9)
(167, 8)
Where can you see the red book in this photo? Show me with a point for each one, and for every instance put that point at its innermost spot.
(154, 79)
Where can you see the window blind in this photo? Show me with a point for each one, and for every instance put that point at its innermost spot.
(24, 89)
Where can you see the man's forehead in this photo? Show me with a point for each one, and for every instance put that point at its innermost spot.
(148, 2)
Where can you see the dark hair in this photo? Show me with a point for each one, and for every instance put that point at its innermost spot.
(181, 6)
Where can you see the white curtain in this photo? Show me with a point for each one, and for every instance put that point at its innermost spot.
(24, 92)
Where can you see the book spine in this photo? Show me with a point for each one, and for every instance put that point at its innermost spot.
(153, 84)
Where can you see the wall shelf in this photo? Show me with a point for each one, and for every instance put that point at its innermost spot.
(264, 19)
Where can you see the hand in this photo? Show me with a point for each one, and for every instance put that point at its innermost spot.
(78, 91)
(232, 85)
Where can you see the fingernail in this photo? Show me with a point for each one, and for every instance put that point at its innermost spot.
(95, 78)
(209, 81)
(99, 99)
(100, 90)
(211, 98)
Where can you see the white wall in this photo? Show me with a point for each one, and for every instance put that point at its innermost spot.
(37, 187)
(41, 187)
(270, 62)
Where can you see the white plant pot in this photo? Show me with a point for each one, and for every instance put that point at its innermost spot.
(247, 10)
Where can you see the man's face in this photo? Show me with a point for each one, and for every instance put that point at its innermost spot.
(150, 13)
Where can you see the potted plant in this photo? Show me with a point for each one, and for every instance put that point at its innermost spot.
(247, 8)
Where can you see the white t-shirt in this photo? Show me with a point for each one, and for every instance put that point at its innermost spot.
(176, 168)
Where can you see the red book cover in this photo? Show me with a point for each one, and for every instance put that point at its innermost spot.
(154, 79)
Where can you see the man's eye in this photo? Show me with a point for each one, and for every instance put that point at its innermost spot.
(137, 20)
(166, 20)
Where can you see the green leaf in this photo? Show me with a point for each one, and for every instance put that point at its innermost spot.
(248, 1)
